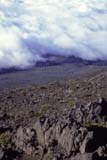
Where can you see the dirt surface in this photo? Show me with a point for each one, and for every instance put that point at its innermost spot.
(46, 74)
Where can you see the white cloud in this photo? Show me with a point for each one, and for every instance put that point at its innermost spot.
(9, 38)
(30, 28)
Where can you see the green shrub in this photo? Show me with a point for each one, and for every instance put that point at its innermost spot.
(4, 139)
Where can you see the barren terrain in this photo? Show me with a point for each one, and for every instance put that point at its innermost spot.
(36, 102)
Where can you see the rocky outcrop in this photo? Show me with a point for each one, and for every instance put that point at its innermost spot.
(78, 135)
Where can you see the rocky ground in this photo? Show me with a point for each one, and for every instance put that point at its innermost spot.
(62, 120)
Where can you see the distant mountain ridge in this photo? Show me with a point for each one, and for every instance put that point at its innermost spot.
(52, 60)
(60, 60)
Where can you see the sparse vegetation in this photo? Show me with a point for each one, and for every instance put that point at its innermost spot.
(100, 124)
(5, 139)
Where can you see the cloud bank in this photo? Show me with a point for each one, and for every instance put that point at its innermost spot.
(31, 28)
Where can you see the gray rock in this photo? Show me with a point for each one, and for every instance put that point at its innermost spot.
(25, 139)
(1, 154)
(85, 144)
(66, 135)
(86, 156)
(101, 151)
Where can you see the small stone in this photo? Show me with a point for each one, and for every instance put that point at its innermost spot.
(101, 151)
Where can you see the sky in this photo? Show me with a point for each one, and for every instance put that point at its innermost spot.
(29, 29)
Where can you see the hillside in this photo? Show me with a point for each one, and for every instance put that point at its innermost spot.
(25, 110)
